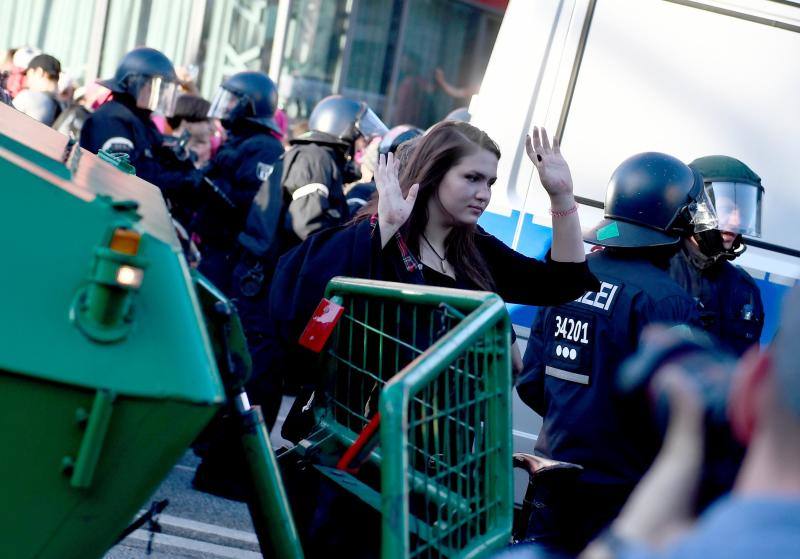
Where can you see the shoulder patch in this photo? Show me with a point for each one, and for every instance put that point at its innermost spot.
(117, 144)
(263, 171)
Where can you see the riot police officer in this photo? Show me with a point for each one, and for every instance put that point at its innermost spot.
(245, 103)
(652, 201)
(730, 302)
(303, 195)
(320, 163)
(145, 82)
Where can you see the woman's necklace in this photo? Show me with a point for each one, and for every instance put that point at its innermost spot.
(442, 259)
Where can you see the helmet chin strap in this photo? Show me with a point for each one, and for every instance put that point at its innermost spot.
(736, 250)
(710, 248)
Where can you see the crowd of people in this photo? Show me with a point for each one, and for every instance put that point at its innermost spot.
(274, 218)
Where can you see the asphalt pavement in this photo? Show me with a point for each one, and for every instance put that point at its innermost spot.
(199, 525)
(195, 525)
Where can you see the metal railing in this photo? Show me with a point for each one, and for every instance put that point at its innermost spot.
(431, 367)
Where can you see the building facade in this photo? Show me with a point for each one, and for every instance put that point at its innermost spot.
(387, 52)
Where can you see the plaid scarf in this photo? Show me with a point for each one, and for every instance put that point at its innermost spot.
(409, 260)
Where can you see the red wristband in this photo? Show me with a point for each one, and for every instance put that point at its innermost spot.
(564, 213)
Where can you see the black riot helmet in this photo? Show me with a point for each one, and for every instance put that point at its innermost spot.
(737, 194)
(396, 136)
(652, 200)
(247, 95)
(339, 120)
(460, 114)
(147, 76)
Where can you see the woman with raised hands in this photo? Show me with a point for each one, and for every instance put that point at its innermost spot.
(425, 219)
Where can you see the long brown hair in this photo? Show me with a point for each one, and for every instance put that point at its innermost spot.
(433, 156)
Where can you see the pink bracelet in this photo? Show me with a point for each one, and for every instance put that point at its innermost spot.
(564, 213)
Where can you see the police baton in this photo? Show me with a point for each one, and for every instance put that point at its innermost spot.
(220, 194)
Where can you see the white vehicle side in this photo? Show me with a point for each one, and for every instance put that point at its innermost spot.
(612, 78)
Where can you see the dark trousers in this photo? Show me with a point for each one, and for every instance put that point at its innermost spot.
(569, 520)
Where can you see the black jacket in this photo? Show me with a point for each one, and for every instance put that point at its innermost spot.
(729, 300)
(302, 196)
(313, 190)
(355, 250)
(119, 127)
(243, 163)
(303, 273)
(572, 358)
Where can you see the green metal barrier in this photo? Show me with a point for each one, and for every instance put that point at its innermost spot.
(435, 363)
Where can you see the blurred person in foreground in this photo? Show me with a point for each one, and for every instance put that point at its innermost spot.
(761, 516)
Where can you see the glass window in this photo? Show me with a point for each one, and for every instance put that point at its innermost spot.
(375, 28)
(315, 41)
(237, 35)
(445, 47)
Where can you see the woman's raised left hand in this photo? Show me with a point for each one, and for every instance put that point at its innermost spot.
(553, 170)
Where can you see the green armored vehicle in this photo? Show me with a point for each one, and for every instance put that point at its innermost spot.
(112, 351)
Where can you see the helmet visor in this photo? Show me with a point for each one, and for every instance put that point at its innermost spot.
(223, 104)
(369, 125)
(156, 94)
(738, 207)
(702, 213)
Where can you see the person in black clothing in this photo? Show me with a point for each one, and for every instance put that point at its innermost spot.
(320, 163)
(423, 230)
(304, 194)
(245, 104)
(295, 195)
(729, 299)
(235, 228)
(652, 202)
(145, 81)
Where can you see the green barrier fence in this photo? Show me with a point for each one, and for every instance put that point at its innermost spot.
(435, 364)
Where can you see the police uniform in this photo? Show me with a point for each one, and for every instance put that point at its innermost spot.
(144, 82)
(569, 378)
(318, 165)
(313, 184)
(653, 200)
(238, 171)
(243, 163)
(729, 300)
(118, 126)
(304, 195)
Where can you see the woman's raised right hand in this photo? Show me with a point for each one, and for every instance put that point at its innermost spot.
(393, 208)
